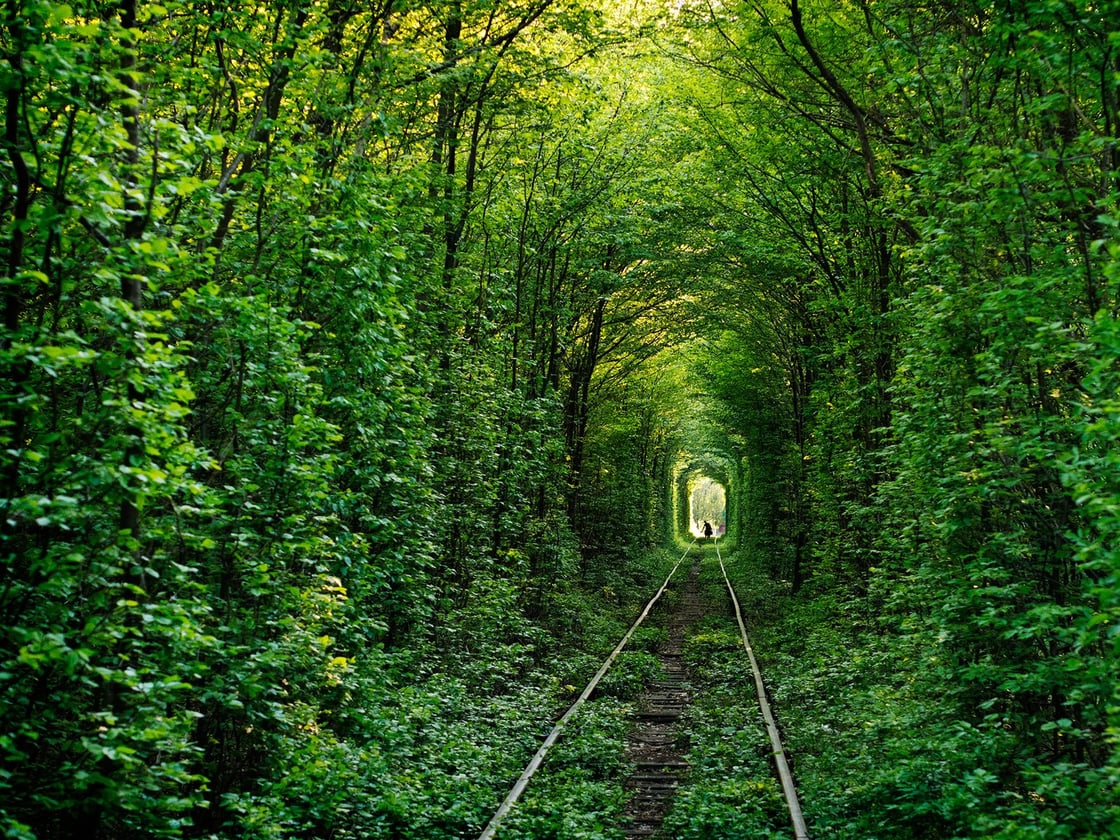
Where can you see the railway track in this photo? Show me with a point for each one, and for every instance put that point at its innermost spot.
(656, 745)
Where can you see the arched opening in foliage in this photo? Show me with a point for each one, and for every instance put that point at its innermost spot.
(707, 504)
(704, 487)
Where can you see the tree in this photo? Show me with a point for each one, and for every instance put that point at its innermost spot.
(954, 277)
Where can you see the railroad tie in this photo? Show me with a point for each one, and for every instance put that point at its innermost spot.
(655, 747)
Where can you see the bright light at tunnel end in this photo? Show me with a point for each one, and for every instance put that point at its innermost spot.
(707, 504)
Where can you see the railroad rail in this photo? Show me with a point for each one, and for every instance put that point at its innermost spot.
(781, 764)
(789, 790)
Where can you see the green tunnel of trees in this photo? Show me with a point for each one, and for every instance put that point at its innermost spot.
(355, 355)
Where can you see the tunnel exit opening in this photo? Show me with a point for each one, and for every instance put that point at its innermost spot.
(704, 488)
(707, 504)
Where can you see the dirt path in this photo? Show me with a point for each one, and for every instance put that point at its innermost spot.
(656, 746)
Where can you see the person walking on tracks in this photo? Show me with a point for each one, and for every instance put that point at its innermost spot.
(707, 530)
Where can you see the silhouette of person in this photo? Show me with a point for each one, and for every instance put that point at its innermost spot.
(707, 530)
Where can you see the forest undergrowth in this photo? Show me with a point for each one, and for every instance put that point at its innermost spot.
(879, 742)
(474, 722)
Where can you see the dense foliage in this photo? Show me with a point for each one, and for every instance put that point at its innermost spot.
(302, 303)
(350, 349)
(925, 198)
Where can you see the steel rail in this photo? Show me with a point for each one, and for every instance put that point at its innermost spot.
(785, 776)
(535, 763)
